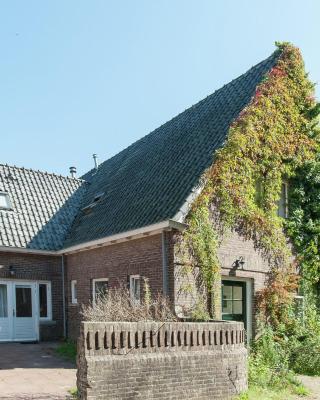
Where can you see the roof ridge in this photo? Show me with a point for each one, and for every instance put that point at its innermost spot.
(41, 172)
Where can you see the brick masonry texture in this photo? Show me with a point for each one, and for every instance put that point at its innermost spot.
(144, 257)
(199, 369)
(116, 262)
(33, 267)
(256, 269)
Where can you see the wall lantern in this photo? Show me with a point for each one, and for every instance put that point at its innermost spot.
(12, 271)
(239, 263)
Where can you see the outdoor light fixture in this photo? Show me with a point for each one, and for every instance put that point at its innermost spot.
(12, 271)
(239, 263)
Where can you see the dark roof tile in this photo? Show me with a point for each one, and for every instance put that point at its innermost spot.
(149, 181)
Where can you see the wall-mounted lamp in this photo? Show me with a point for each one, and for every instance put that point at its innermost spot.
(12, 271)
(239, 263)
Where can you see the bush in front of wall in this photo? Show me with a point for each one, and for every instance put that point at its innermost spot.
(118, 305)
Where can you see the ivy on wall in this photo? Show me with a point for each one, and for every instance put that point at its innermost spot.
(272, 139)
(303, 224)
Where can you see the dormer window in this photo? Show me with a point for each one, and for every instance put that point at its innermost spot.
(5, 203)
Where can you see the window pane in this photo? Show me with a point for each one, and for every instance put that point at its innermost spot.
(3, 301)
(74, 291)
(4, 200)
(227, 306)
(135, 288)
(227, 292)
(23, 302)
(237, 307)
(43, 301)
(101, 288)
(237, 292)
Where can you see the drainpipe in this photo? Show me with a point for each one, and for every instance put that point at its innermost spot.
(63, 299)
(165, 278)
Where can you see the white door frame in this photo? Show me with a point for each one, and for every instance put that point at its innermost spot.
(249, 288)
(9, 311)
(11, 285)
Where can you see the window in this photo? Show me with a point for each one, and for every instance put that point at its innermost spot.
(234, 300)
(3, 301)
(283, 201)
(45, 310)
(135, 288)
(74, 299)
(23, 301)
(99, 288)
(5, 202)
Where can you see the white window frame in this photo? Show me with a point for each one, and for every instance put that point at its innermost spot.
(49, 300)
(132, 278)
(8, 201)
(74, 299)
(94, 287)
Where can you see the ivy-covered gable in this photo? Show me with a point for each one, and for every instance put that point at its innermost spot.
(268, 142)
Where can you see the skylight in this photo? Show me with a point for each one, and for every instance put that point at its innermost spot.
(98, 196)
(87, 209)
(5, 203)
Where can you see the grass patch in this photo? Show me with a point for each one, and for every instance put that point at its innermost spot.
(259, 393)
(74, 393)
(67, 350)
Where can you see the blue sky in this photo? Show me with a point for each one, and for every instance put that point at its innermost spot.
(87, 76)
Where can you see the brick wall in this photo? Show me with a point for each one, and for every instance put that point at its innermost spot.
(256, 266)
(136, 257)
(233, 246)
(161, 361)
(34, 267)
(144, 257)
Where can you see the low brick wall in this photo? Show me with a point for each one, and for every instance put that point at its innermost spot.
(147, 360)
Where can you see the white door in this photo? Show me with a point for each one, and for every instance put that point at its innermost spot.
(18, 311)
(5, 314)
(24, 311)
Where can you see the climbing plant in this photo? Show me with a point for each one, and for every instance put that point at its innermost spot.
(303, 224)
(272, 139)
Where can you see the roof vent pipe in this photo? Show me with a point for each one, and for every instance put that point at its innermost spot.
(73, 171)
(95, 159)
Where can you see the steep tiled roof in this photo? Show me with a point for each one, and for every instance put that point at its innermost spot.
(43, 208)
(149, 181)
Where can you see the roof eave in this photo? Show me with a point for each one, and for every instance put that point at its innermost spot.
(125, 236)
(7, 249)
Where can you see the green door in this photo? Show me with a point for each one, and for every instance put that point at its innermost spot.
(234, 301)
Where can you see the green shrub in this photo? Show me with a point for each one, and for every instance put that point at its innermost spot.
(304, 345)
(269, 362)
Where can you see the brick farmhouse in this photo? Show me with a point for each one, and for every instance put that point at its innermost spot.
(63, 240)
